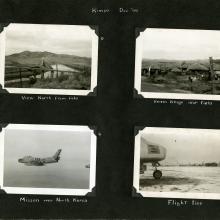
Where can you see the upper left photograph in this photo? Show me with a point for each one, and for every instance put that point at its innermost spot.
(48, 59)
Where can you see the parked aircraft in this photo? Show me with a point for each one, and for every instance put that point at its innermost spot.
(151, 153)
(36, 161)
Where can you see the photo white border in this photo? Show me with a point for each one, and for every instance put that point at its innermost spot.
(177, 195)
(160, 95)
(50, 191)
(94, 68)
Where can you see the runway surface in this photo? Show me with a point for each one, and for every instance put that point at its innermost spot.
(182, 179)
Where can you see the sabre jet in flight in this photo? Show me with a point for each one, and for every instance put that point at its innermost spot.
(35, 161)
(151, 153)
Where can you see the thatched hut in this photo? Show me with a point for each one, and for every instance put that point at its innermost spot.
(197, 68)
(144, 71)
(154, 69)
(145, 68)
(200, 71)
(151, 70)
(216, 68)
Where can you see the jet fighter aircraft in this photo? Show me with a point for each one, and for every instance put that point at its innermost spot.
(36, 161)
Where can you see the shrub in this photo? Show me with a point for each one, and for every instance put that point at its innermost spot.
(62, 78)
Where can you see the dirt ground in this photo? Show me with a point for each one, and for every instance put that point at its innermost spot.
(182, 179)
(155, 87)
(178, 85)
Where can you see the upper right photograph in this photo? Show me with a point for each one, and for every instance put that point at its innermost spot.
(178, 63)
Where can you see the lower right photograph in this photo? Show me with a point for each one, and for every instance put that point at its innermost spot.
(177, 163)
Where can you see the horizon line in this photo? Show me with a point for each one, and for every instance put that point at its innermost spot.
(47, 52)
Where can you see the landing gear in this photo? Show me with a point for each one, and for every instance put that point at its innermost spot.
(157, 174)
(143, 168)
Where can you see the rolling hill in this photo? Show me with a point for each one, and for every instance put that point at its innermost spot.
(163, 63)
(34, 58)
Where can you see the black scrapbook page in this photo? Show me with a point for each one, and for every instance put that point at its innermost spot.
(109, 109)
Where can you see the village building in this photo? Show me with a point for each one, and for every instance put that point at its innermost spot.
(144, 71)
(154, 70)
(199, 71)
(151, 70)
(216, 68)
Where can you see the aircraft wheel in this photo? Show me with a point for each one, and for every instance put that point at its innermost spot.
(157, 174)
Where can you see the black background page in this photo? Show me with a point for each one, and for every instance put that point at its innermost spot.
(114, 110)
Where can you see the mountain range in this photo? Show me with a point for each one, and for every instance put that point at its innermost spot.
(34, 58)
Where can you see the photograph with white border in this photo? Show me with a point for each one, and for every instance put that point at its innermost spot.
(47, 159)
(177, 163)
(48, 59)
(178, 63)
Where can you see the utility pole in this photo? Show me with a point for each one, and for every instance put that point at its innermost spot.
(57, 70)
(211, 75)
(20, 77)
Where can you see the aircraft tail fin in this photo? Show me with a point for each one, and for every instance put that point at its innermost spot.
(56, 156)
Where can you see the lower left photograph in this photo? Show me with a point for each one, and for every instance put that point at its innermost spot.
(47, 159)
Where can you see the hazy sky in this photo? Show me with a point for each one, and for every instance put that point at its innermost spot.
(187, 145)
(180, 44)
(61, 39)
(69, 172)
(44, 143)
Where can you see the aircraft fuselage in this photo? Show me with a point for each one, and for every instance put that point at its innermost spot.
(36, 161)
(151, 153)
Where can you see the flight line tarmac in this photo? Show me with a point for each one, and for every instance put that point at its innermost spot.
(182, 179)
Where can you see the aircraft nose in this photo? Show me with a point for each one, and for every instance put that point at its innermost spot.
(20, 160)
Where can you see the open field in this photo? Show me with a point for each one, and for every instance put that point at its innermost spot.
(76, 81)
(197, 87)
(182, 179)
(162, 87)
(179, 85)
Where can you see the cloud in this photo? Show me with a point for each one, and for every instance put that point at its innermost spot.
(44, 143)
(187, 145)
(66, 39)
(180, 44)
